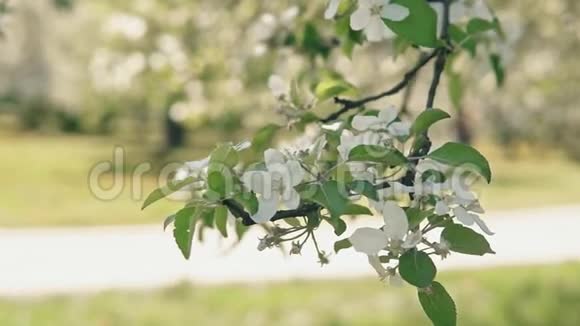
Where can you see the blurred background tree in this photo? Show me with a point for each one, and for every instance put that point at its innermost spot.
(161, 72)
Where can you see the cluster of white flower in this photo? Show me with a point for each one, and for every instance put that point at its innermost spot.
(369, 17)
(266, 27)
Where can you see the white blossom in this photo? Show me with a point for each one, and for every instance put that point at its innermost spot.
(369, 18)
(275, 185)
(278, 86)
(384, 121)
(331, 9)
(394, 235)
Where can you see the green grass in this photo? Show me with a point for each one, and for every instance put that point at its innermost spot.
(530, 296)
(44, 179)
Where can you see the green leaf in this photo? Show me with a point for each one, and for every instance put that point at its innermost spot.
(329, 88)
(416, 216)
(184, 229)
(171, 187)
(420, 27)
(241, 229)
(249, 200)
(463, 39)
(364, 188)
(263, 137)
(466, 241)
(327, 194)
(497, 66)
(455, 87)
(456, 154)
(168, 221)
(339, 226)
(438, 305)
(221, 220)
(293, 221)
(479, 25)
(354, 209)
(378, 154)
(225, 154)
(417, 268)
(342, 244)
(426, 119)
(217, 181)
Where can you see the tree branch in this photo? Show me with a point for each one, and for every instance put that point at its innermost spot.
(441, 59)
(348, 105)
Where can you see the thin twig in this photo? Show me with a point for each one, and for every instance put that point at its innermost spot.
(348, 105)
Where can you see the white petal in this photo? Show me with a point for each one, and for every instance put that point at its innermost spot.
(257, 181)
(412, 240)
(243, 145)
(388, 33)
(278, 86)
(365, 122)
(291, 198)
(395, 12)
(332, 9)
(375, 262)
(360, 18)
(475, 207)
(368, 240)
(197, 165)
(367, 4)
(396, 281)
(399, 129)
(482, 225)
(267, 207)
(375, 30)
(463, 216)
(273, 157)
(396, 222)
(296, 173)
(389, 114)
(441, 208)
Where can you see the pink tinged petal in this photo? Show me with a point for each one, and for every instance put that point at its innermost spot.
(412, 240)
(273, 157)
(332, 9)
(267, 207)
(482, 225)
(360, 18)
(257, 181)
(463, 216)
(362, 122)
(441, 208)
(375, 30)
(291, 198)
(395, 12)
(389, 114)
(375, 262)
(368, 240)
(396, 222)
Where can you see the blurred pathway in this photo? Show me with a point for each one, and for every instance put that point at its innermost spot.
(46, 261)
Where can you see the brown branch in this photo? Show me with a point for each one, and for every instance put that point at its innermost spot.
(348, 105)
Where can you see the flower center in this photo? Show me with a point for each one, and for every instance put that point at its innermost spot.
(377, 9)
